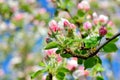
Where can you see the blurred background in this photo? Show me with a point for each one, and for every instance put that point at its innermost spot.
(23, 29)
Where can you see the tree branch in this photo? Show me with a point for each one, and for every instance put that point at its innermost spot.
(91, 54)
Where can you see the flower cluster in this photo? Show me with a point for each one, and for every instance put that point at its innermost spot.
(76, 36)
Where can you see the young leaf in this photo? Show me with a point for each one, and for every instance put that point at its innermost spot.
(90, 62)
(58, 51)
(80, 61)
(60, 75)
(99, 78)
(80, 13)
(41, 64)
(62, 69)
(51, 45)
(110, 47)
(98, 68)
(67, 55)
(35, 74)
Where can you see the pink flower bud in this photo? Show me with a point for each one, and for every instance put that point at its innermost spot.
(102, 31)
(72, 64)
(53, 26)
(86, 73)
(72, 26)
(66, 23)
(42, 11)
(110, 23)
(80, 6)
(103, 19)
(95, 21)
(59, 58)
(50, 51)
(71, 67)
(87, 25)
(84, 5)
(19, 16)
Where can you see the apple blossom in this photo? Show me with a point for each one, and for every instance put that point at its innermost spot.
(72, 64)
(53, 26)
(59, 58)
(87, 25)
(50, 51)
(18, 16)
(94, 15)
(103, 19)
(80, 73)
(64, 14)
(63, 23)
(84, 5)
(66, 23)
(42, 11)
(95, 21)
(110, 23)
(86, 72)
(72, 26)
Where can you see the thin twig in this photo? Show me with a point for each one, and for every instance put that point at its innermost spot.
(91, 54)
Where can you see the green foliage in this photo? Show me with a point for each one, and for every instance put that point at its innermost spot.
(91, 62)
(83, 42)
(62, 69)
(35, 74)
(41, 64)
(51, 45)
(60, 75)
(80, 13)
(58, 51)
(91, 42)
(99, 78)
(110, 47)
(67, 55)
(80, 61)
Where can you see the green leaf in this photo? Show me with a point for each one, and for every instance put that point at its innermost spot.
(80, 61)
(90, 62)
(109, 35)
(35, 74)
(60, 76)
(110, 47)
(80, 13)
(99, 78)
(98, 68)
(99, 60)
(51, 45)
(58, 51)
(66, 55)
(91, 42)
(66, 1)
(62, 69)
(115, 40)
(41, 64)
(68, 41)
